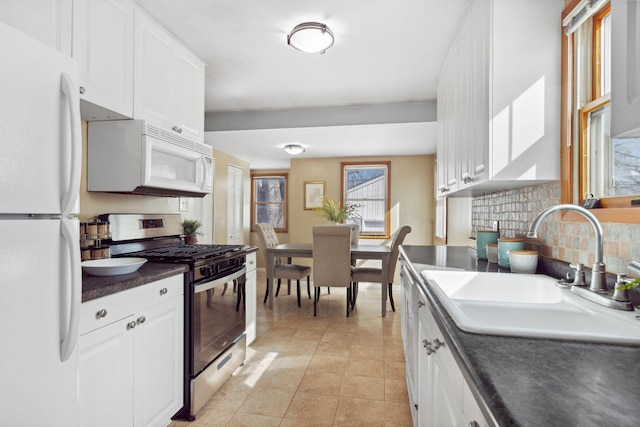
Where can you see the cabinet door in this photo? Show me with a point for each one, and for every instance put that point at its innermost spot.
(476, 148)
(159, 347)
(441, 159)
(625, 69)
(154, 69)
(425, 388)
(235, 204)
(48, 21)
(446, 406)
(452, 128)
(409, 324)
(103, 47)
(106, 376)
(250, 303)
(472, 412)
(188, 113)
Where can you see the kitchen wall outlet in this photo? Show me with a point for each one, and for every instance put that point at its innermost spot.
(495, 226)
(184, 204)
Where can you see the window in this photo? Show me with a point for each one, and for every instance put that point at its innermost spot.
(366, 185)
(593, 162)
(269, 200)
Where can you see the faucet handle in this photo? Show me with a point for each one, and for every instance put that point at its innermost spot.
(579, 278)
(577, 266)
(620, 292)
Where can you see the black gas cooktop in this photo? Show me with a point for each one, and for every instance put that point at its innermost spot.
(187, 253)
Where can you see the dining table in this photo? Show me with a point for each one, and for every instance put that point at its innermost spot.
(305, 250)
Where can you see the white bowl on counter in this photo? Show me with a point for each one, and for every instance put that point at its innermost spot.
(112, 266)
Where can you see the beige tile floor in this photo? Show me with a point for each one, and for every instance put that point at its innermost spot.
(328, 370)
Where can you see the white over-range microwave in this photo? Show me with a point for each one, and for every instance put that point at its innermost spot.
(133, 156)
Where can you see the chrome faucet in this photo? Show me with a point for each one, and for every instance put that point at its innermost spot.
(598, 278)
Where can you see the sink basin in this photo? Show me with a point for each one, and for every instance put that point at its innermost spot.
(528, 305)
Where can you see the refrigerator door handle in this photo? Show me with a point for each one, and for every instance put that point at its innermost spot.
(73, 103)
(70, 338)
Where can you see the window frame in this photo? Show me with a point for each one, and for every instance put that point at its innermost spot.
(614, 209)
(387, 215)
(285, 203)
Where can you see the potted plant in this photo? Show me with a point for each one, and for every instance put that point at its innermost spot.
(334, 212)
(190, 230)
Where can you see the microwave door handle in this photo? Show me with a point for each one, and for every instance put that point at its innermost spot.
(206, 171)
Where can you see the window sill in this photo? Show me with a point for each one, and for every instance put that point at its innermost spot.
(619, 215)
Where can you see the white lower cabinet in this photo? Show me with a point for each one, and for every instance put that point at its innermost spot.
(438, 393)
(409, 330)
(131, 356)
(250, 297)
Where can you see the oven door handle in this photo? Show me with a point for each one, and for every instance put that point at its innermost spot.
(221, 281)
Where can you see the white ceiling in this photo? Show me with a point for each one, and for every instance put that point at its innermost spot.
(264, 146)
(384, 52)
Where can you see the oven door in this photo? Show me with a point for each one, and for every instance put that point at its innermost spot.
(216, 323)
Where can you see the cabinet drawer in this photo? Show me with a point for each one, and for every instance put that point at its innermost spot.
(103, 311)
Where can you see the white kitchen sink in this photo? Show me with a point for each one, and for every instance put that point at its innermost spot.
(528, 305)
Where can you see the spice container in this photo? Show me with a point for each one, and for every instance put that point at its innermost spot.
(100, 252)
(92, 233)
(504, 246)
(482, 238)
(85, 254)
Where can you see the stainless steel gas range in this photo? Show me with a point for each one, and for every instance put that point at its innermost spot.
(214, 331)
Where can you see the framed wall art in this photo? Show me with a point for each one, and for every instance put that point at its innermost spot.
(313, 194)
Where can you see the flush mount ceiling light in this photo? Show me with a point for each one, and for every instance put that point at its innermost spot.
(310, 37)
(293, 149)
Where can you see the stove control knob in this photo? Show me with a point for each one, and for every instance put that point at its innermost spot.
(205, 271)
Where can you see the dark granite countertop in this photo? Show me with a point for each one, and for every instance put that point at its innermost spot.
(99, 286)
(535, 382)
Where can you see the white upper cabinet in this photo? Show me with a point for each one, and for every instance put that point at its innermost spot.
(168, 81)
(48, 21)
(103, 47)
(499, 126)
(625, 69)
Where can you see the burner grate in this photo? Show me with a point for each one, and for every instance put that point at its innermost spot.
(186, 253)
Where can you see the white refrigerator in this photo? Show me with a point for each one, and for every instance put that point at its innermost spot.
(40, 273)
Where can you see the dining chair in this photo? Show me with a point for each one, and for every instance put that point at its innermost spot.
(374, 275)
(331, 260)
(268, 239)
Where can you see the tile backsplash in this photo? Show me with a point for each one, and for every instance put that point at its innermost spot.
(572, 242)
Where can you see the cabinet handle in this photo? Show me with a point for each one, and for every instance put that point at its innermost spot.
(430, 349)
(82, 90)
(177, 129)
(163, 291)
(437, 344)
(141, 320)
(426, 344)
(474, 424)
(421, 304)
(101, 313)
(131, 325)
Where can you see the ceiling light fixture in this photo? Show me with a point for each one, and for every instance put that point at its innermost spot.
(293, 149)
(310, 37)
